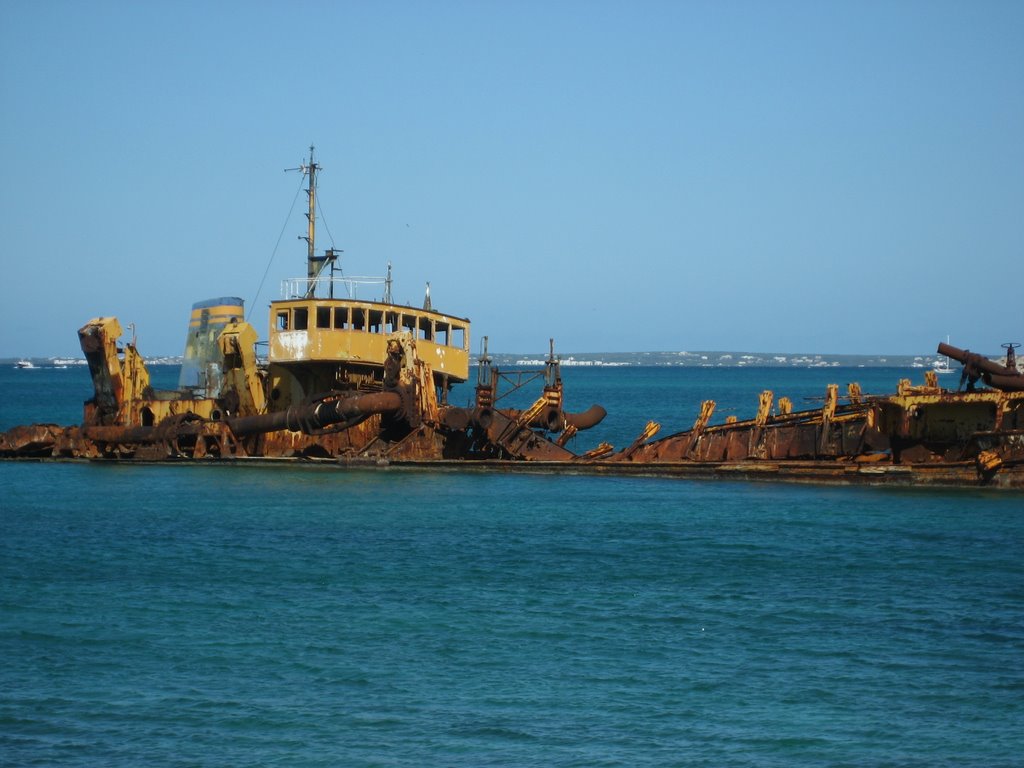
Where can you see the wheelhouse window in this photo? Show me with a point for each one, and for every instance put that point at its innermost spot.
(301, 317)
(358, 319)
(282, 320)
(323, 317)
(376, 321)
(458, 337)
(341, 318)
(442, 332)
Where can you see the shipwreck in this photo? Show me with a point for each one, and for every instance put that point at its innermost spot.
(359, 382)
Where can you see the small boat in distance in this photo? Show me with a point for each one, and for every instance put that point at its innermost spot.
(942, 364)
(24, 364)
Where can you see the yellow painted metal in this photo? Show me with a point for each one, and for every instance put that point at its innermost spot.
(237, 344)
(418, 372)
(707, 407)
(350, 331)
(650, 430)
(567, 434)
(918, 413)
(153, 411)
(222, 313)
(989, 460)
(133, 401)
(285, 389)
(828, 412)
(785, 406)
(764, 407)
(530, 413)
(134, 376)
(602, 450)
(99, 338)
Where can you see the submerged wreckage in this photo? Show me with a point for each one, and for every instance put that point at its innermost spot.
(354, 381)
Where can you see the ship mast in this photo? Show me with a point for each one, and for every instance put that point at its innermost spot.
(312, 262)
(312, 270)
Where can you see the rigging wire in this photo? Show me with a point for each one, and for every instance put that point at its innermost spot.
(276, 246)
(323, 220)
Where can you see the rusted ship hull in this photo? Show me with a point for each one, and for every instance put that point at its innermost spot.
(919, 436)
(944, 475)
(964, 474)
(852, 452)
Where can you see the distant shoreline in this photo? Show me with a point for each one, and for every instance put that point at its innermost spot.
(700, 359)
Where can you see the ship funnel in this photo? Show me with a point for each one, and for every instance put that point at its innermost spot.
(201, 365)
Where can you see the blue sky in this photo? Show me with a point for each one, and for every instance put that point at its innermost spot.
(839, 177)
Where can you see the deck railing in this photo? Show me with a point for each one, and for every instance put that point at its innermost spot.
(329, 287)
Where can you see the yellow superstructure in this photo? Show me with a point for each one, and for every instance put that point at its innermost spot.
(348, 331)
(323, 344)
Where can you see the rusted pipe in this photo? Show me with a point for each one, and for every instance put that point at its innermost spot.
(303, 418)
(591, 417)
(1014, 383)
(454, 418)
(967, 357)
(309, 418)
(483, 417)
(548, 419)
(553, 420)
(165, 430)
(993, 374)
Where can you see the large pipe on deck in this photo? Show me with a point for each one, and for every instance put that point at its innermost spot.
(305, 418)
(301, 418)
(993, 374)
(591, 417)
(552, 419)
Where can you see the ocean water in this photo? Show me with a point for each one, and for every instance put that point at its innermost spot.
(312, 616)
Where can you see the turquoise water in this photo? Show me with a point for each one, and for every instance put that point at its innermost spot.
(169, 615)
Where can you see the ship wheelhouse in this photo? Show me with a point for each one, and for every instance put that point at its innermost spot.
(318, 344)
(355, 332)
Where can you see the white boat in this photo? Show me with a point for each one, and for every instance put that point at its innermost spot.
(24, 364)
(942, 364)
